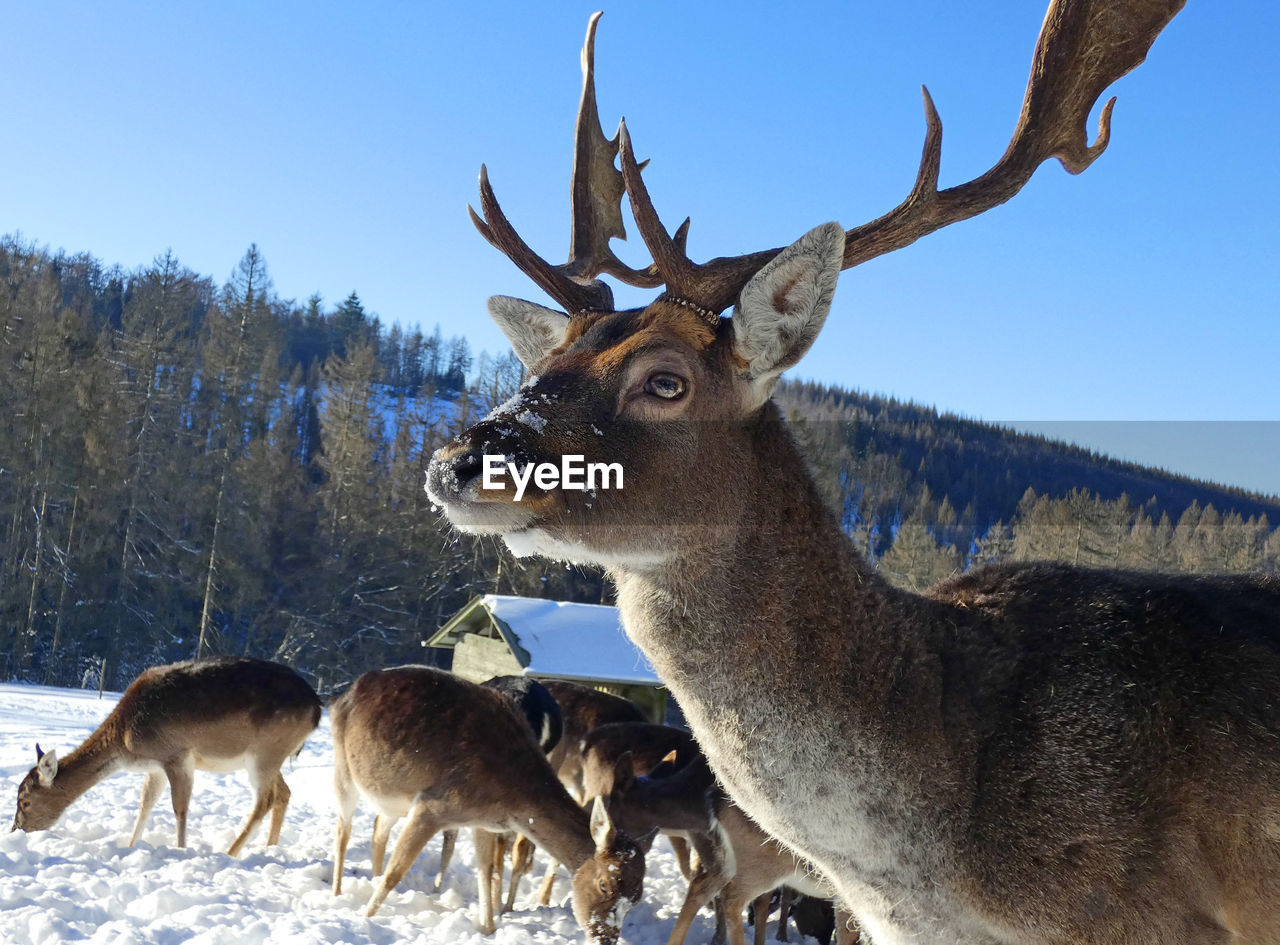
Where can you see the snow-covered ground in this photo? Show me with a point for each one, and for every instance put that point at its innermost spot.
(79, 882)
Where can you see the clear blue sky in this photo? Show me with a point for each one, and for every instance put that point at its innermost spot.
(345, 141)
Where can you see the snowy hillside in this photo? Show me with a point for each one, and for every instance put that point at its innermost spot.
(79, 882)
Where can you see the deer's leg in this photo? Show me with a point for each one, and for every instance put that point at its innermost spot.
(847, 931)
(345, 794)
(449, 839)
(680, 847)
(548, 881)
(382, 825)
(280, 796)
(499, 864)
(521, 863)
(486, 851)
(734, 905)
(264, 783)
(422, 823)
(718, 937)
(761, 908)
(712, 874)
(152, 785)
(181, 775)
(785, 896)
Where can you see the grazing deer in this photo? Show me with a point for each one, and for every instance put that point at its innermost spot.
(681, 804)
(647, 744)
(1031, 753)
(582, 709)
(219, 715)
(542, 712)
(449, 753)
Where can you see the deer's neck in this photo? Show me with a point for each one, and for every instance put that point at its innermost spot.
(785, 620)
(96, 758)
(552, 820)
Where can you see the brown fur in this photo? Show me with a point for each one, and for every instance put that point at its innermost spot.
(648, 745)
(450, 753)
(1031, 753)
(183, 717)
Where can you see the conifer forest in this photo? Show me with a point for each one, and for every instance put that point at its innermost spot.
(190, 468)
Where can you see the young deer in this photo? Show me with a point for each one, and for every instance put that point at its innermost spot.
(219, 715)
(449, 753)
(540, 709)
(582, 709)
(761, 865)
(681, 803)
(647, 744)
(1030, 753)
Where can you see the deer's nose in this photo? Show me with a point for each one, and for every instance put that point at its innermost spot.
(464, 467)
(450, 473)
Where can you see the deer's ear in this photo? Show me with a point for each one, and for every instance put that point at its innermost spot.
(602, 831)
(532, 330)
(782, 308)
(46, 767)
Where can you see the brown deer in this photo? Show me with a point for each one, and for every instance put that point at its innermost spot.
(421, 742)
(582, 709)
(1031, 753)
(648, 745)
(540, 709)
(219, 715)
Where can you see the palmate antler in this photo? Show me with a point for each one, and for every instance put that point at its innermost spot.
(1084, 46)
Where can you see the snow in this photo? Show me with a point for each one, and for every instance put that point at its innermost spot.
(79, 882)
(572, 641)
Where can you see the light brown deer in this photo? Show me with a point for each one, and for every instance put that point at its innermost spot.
(761, 864)
(1025, 754)
(213, 715)
(582, 709)
(421, 742)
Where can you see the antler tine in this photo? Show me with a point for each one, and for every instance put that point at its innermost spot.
(1084, 46)
(596, 200)
(713, 285)
(596, 189)
(572, 295)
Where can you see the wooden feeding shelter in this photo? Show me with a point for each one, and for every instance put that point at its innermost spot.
(500, 635)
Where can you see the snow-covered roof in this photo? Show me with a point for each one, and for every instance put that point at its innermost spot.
(563, 640)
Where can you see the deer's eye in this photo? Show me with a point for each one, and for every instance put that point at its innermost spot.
(664, 385)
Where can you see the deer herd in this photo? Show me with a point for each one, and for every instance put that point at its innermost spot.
(1029, 754)
(422, 744)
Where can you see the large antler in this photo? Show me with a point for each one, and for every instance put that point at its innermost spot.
(596, 204)
(1084, 46)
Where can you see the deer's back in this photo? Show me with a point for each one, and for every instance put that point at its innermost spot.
(218, 708)
(1119, 730)
(414, 729)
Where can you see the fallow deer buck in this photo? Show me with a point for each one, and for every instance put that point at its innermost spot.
(1031, 753)
(218, 715)
(421, 742)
